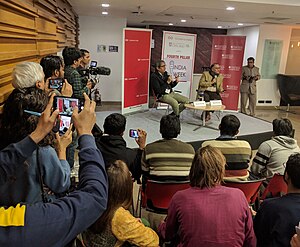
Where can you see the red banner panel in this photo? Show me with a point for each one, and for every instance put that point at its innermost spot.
(137, 49)
(228, 51)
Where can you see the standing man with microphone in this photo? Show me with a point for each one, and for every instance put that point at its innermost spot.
(211, 83)
(250, 74)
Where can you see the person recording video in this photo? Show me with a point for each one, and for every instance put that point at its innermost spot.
(162, 84)
(72, 58)
(211, 84)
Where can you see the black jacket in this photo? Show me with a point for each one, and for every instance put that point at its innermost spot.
(159, 83)
(113, 147)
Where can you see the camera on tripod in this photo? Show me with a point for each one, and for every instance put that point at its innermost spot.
(92, 72)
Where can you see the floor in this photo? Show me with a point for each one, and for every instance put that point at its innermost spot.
(266, 114)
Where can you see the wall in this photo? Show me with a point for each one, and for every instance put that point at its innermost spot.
(105, 31)
(30, 30)
(203, 45)
(293, 59)
(252, 35)
(267, 89)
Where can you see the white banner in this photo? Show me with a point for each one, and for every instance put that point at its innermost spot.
(178, 52)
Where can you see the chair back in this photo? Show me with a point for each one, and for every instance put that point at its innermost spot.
(276, 187)
(250, 188)
(159, 194)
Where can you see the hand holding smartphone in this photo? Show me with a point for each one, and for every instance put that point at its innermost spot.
(133, 133)
(66, 105)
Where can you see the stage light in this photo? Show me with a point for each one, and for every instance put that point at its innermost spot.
(104, 13)
(105, 5)
(171, 24)
(240, 24)
(230, 8)
(183, 20)
(219, 26)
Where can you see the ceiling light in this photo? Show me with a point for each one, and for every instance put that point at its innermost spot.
(219, 26)
(183, 20)
(240, 24)
(230, 8)
(105, 5)
(104, 13)
(171, 24)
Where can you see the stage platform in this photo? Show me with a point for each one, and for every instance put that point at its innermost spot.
(252, 129)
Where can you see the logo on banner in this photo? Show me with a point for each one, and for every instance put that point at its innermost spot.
(234, 68)
(221, 47)
(236, 48)
(227, 56)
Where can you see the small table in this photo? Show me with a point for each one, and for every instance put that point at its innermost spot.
(205, 109)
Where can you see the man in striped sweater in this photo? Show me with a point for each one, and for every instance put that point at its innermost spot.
(237, 152)
(168, 158)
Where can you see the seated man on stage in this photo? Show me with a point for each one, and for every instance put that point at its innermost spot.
(211, 83)
(162, 84)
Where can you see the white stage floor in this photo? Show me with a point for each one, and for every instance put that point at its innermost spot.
(252, 129)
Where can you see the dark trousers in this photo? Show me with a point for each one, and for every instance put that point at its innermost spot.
(208, 95)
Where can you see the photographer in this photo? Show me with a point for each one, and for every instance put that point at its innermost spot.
(85, 59)
(53, 68)
(72, 58)
(250, 74)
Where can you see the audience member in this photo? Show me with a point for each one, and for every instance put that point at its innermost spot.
(24, 185)
(237, 152)
(113, 146)
(295, 241)
(55, 224)
(208, 214)
(72, 59)
(116, 225)
(162, 84)
(168, 158)
(211, 83)
(53, 67)
(275, 221)
(272, 154)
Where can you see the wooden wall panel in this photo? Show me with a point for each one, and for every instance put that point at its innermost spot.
(31, 29)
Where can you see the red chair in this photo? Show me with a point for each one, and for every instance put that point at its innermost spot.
(250, 188)
(276, 187)
(157, 195)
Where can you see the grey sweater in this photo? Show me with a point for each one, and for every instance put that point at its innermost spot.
(272, 154)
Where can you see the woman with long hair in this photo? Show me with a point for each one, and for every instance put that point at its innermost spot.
(116, 225)
(208, 214)
(45, 167)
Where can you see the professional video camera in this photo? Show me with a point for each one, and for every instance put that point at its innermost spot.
(92, 72)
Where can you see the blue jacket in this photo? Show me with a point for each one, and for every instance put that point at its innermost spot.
(24, 183)
(54, 224)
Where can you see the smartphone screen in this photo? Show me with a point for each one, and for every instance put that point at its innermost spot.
(66, 105)
(64, 125)
(56, 83)
(133, 133)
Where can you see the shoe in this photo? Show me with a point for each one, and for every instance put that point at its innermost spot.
(207, 118)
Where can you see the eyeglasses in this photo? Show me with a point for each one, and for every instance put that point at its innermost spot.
(162, 65)
(217, 67)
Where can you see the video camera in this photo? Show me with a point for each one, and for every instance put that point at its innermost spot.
(93, 70)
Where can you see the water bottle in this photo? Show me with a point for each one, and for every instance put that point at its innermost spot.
(201, 96)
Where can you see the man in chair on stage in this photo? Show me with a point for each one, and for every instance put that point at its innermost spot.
(211, 83)
(162, 84)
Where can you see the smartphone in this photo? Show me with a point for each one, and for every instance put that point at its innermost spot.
(93, 64)
(66, 105)
(56, 83)
(133, 133)
(64, 125)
